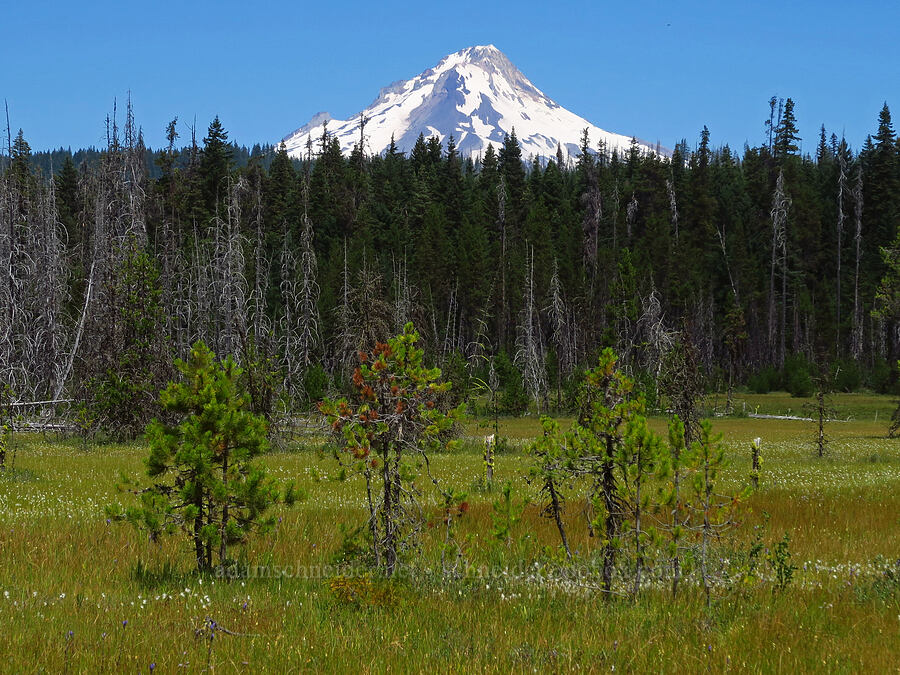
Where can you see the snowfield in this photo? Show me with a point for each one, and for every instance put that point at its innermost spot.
(476, 95)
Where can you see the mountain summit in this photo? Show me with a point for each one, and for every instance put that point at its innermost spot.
(476, 95)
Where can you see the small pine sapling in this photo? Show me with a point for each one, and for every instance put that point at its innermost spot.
(712, 512)
(608, 404)
(454, 508)
(6, 424)
(820, 410)
(206, 480)
(4, 436)
(674, 499)
(507, 512)
(641, 460)
(551, 469)
(779, 559)
(395, 417)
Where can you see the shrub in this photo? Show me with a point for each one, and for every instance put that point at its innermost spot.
(880, 379)
(513, 398)
(846, 375)
(315, 383)
(797, 378)
(764, 381)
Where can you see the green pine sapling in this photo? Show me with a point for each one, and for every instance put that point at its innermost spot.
(712, 512)
(206, 480)
(608, 405)
(820, 410)
(641, 460)
(455, 507)
(507, 512)
(675, 498)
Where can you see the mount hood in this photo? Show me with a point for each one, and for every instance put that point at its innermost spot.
(476, 95)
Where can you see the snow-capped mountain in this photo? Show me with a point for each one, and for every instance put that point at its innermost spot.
(478, 96)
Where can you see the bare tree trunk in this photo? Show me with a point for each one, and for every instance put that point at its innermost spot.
(611, 504)
(673, 207)
(501, 217)
(387, 514)
(630, 215)
(373, 518)
(223, 527)
(842, 184)
(707, 529)
(556, 507)
(530, 351)
(676, 558)
(638, 544)
(560, 336)
(780, 204)
(87, 299)
(856, 344)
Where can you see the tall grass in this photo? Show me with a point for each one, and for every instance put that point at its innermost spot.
(78, 593)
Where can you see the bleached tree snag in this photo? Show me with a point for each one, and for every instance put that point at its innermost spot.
(842, 188)
(780, 205)
(529, 348)
(673, 208)
(72, 353)
(856, 340)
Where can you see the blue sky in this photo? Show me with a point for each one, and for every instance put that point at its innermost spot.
(657, 70)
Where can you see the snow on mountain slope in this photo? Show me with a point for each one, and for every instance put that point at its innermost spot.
(478, 96)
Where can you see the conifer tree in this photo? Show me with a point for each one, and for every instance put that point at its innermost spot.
(786, 134)
(215, 166)
(395, 416)
(207, 482)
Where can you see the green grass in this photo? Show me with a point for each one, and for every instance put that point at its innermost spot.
(129, 603)
(859, 407)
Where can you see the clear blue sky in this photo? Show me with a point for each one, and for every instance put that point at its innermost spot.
(657, 70)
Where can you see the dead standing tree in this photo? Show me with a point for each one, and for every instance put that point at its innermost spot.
(652, 334)
(856, 339)
(403, 294)
(562, 334)
(34, 332)
(288, 337)
(308, 294)
(842, 189)
(529, 346)
(299, 334)
(119, 230)
(229, 307)
(344, 341)
(673, 208)
(260, 323)
(631, 211)
(363, 316)
(780, 205)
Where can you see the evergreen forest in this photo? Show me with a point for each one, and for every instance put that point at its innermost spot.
(773, 266)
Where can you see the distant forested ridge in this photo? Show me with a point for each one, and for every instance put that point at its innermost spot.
(769, 265)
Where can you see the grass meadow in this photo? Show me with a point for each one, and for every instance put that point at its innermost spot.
(78, 593)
